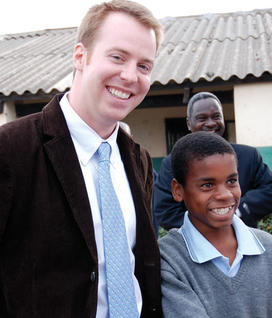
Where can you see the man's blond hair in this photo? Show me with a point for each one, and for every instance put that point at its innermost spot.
(92, 21)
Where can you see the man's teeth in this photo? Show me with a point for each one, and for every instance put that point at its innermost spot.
(222, 210)
(119, 94)
(211, 131)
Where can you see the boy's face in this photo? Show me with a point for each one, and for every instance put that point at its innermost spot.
(212, 192)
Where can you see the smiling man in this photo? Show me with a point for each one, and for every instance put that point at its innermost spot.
(112, 77)
(204, 113)
(76, 226)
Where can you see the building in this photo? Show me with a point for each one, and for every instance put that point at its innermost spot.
(228, 54)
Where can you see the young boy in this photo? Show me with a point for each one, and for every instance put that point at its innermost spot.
(214, 265)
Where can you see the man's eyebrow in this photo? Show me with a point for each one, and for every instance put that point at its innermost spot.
(116, 48)
(200, 114)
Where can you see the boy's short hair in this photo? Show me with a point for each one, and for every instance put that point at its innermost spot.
(196, 146)
(93, 19)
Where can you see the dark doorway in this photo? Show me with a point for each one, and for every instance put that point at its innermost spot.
(175, 129)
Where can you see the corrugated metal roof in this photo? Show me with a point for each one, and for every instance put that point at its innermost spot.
(36, 61)
(205, 47)
(214, 46)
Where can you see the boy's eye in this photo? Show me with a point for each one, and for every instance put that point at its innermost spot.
(206, 186)
(233, 181)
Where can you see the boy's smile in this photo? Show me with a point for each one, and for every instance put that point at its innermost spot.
(222, 211)
(212, 192)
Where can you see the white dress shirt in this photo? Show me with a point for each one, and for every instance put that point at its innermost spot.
(86, 142)
(201, 250)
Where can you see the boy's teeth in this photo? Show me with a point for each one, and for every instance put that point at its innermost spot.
(221, 211)
(119, 94)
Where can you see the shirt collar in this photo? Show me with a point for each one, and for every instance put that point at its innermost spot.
(85, 139)
(248, 243)
(201, 250)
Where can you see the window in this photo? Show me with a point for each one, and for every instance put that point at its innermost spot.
(175, 129)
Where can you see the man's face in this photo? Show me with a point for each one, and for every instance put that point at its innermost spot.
(212, 192)
(115, 76)
(207, 116)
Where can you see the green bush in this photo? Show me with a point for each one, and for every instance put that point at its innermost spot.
(266, 223)
(162, 232)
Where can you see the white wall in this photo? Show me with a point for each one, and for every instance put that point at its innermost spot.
(148, 127)
(253, 114)
(9, 113)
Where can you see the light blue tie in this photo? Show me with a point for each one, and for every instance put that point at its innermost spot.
(121, 293)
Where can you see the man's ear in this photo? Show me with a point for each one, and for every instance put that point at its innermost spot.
(177, 190)
(79, 56)
(188, 124)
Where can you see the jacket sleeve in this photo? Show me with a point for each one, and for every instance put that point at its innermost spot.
(6, 183)
(168, 212)
(257, 201)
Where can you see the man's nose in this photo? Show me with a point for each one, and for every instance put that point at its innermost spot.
(129, 73)
(210, 122)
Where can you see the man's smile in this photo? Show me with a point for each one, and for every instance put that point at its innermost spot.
(118, 93)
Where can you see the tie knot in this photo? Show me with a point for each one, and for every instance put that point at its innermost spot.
(104, 152)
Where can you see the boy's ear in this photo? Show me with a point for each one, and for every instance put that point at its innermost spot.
(177, 190)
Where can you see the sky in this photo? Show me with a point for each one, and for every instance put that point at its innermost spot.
(32, 15)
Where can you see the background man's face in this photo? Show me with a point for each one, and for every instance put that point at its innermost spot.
(207, 116)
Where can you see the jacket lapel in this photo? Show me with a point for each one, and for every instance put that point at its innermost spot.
(131, 157)
(60, 149)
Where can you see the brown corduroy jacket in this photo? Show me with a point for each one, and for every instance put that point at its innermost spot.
(48, 257)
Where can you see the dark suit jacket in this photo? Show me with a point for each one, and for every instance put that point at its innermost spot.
(48, 257)
(255, 180)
